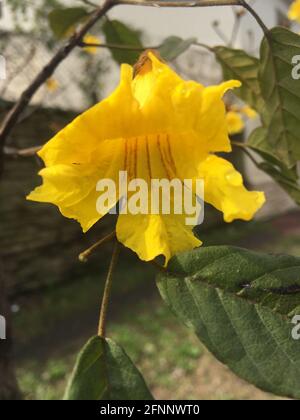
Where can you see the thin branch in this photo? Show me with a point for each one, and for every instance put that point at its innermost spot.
(238, 16)
(107, 290)
(89, 3)
(206, 47)
(30, 151)
(196, 3)
(84, 256)
(118, 47)
(178, 4)
(250, 9)
(219, 32)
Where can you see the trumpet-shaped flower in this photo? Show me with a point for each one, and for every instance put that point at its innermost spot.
(294, 11)
(154, 126)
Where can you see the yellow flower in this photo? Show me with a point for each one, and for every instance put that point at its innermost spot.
(52, 84)
(294, 11)
(155, 126)
(249, 112)
(235, 123)
(91, 39)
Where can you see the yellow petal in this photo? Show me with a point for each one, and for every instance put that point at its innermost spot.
(62, 184)
(212, 125)
(152, 88)
(168, 104)
(182, 155)
(224, 189)
(164, 156)
(85, 211)
(153, 235)
(154, 79)
(73, 187)
(89, 149)
(150, 157)
(80, 140)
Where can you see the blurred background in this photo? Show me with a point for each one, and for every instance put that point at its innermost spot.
(53, 297)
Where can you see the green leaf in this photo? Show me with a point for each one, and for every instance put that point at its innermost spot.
(104, 372)
(118, 33)
(286, 177)
(281, 94)
(63, 19)
(257, 142)
(174, 46)
(236, 64)
(240, 305)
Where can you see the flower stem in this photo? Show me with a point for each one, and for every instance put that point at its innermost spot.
(107, 290)
(83, 257)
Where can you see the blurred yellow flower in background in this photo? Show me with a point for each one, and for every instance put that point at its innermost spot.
(236, 120)
(249, 112)
(52, 84)
(155, 125)
(91, 39)
(235, 123)
(294, 11)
